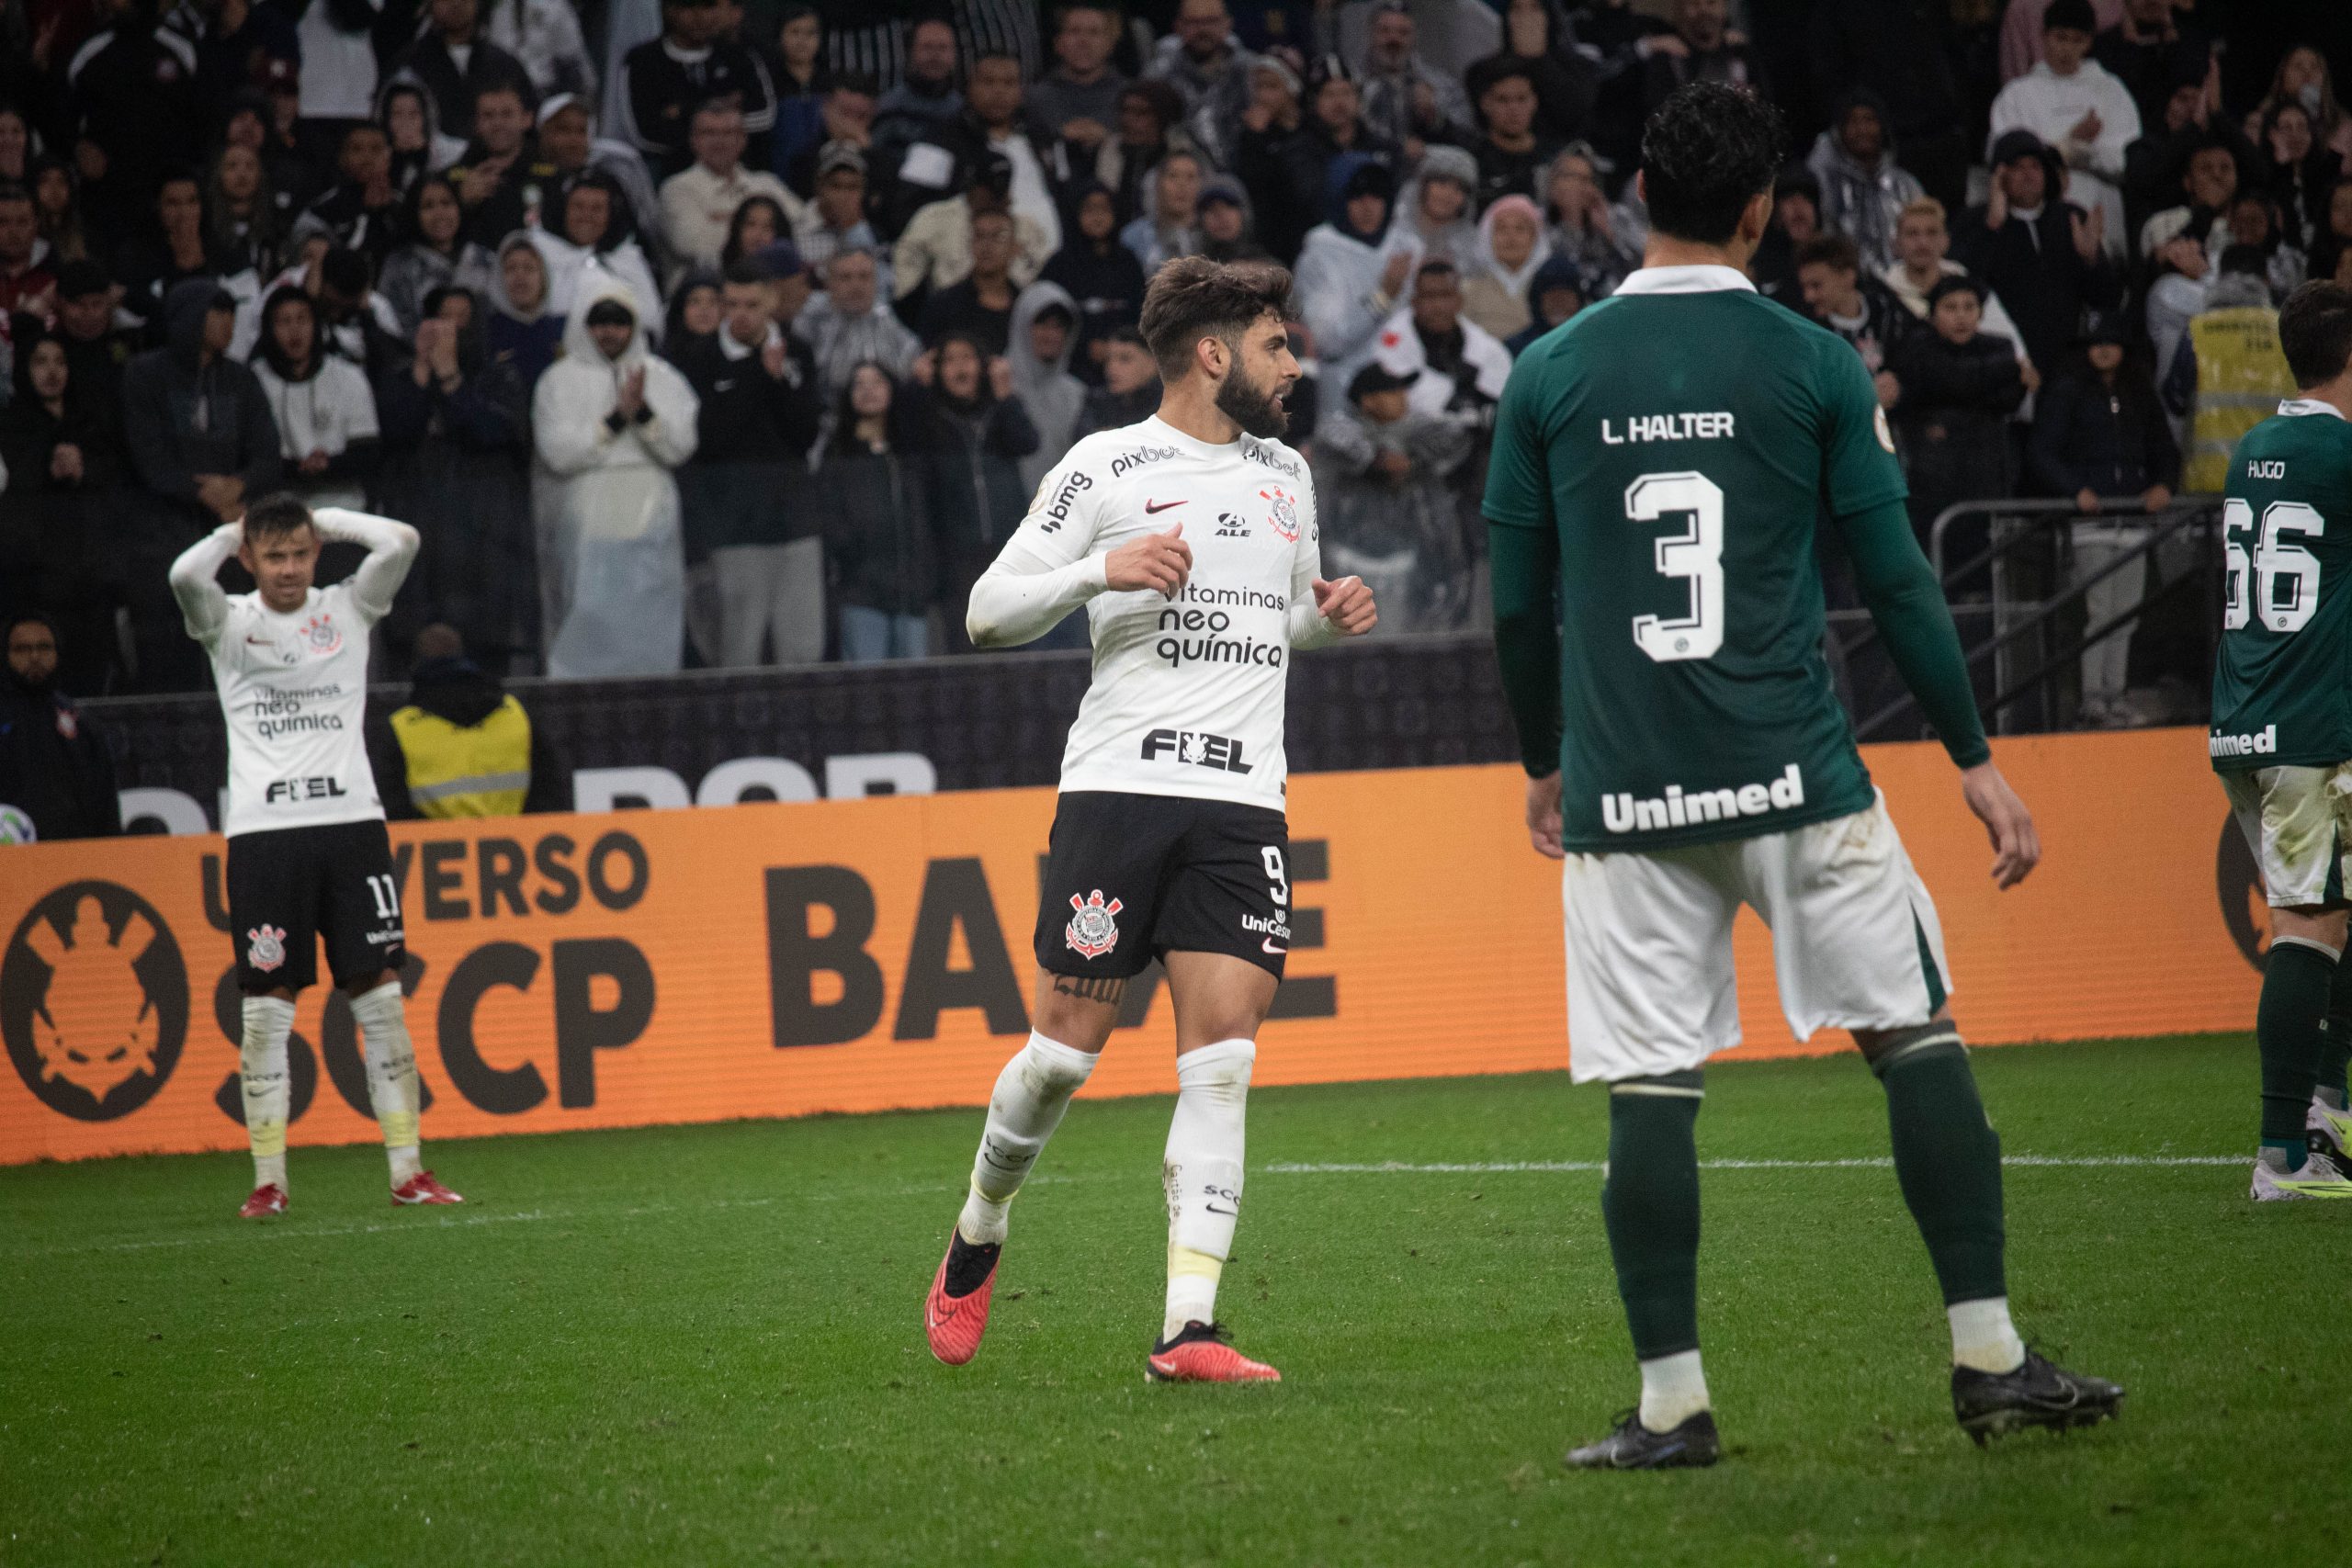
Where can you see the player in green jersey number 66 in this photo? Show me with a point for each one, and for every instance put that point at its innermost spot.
(1663, 462)
(2282, 735)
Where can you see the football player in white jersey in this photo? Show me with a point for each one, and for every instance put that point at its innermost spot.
(1190, 541)
(308, 856)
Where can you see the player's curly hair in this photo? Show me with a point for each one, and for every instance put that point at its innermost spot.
(1708, 151)
(1193, 297)
(2316, 332)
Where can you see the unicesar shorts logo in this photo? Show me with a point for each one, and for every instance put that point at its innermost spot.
(93, 1000)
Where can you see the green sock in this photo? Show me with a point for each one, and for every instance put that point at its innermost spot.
(2336, 1044)
(1650, 1203)
(1948, 1159)
(2296, 984)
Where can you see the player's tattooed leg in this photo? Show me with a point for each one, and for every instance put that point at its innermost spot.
(1104, 988)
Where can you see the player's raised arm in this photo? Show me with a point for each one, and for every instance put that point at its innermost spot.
(195, 579)
(392, 550)
(1048, 569)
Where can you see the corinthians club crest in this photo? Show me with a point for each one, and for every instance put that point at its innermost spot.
(268, 948)
(1094, 928)
(321, 636)
(93, 1001)
(1282, 515)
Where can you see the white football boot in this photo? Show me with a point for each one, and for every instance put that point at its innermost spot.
(2328, 1131)
(2319, 1177)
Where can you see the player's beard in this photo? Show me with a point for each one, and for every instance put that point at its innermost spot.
(1251, 408)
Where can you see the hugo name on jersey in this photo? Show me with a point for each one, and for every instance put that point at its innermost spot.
(1187, 695)
(294, 689)
(2282, 672)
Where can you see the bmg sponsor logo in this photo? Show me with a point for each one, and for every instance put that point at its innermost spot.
(1057, 511)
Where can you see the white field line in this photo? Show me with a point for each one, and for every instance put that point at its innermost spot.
(1506, 1168)
(268, 1233)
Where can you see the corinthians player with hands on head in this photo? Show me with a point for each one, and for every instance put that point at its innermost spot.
(2282, 735)
(1190, 541)
(1661, 464)
(308, 856)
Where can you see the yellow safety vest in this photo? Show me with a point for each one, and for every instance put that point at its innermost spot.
(481, 770)
(2240, 375)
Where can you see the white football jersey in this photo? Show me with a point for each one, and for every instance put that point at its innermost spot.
(294, 690)
(1188, 692)
(294, 686)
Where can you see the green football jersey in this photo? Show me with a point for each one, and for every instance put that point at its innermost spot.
(2283, 677)
(1685, 438)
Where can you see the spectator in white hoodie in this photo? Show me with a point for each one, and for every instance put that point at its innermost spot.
(2078, 109)
(324, 408)
(610, 422)
(1354, 266)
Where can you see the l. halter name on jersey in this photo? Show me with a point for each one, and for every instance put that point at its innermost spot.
(1621, 813)
(1669, 427)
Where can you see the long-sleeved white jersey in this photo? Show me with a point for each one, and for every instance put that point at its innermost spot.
(1187, 696)
(294, 686)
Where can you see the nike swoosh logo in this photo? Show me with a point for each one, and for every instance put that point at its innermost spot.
(1152, 506)
(1267, 945)
(260, 642)
(1213, 1208)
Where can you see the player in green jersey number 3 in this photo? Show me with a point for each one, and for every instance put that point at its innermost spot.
(2282, 735)
(1662, 463)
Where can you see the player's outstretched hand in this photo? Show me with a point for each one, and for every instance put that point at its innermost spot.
(1347, 605)
(1157, 561)
(2017, 848)
(1544, 817)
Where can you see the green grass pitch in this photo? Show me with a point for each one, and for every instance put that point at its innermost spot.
(704, 1344)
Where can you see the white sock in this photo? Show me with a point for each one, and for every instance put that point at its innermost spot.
(261, 1065)
(1023, 1110)
(1983, 1337)
(1674, 1389)
(391, 1074)
(1203, 1175)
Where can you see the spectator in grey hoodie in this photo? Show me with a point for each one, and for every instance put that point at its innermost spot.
(1388, 512)
(1863, 191)
(849, 323)
(1044, 331)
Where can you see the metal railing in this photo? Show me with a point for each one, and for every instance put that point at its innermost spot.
(2022, 605)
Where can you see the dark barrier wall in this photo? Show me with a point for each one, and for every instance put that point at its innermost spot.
(985, 722)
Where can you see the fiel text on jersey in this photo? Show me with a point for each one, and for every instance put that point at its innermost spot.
(1202, 751)
(318, 786)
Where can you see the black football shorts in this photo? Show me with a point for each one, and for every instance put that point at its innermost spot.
(1130, 877)
(290, 886)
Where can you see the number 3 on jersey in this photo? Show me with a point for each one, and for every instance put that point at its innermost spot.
(2255, 584)
(1696, 555)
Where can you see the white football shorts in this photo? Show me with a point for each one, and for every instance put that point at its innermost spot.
(1856, 944)
(2298, 822)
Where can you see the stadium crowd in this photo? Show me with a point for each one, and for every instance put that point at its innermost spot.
(731, 332)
